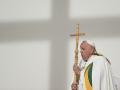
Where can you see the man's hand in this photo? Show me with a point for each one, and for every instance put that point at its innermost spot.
(76, 69)
(74, 86)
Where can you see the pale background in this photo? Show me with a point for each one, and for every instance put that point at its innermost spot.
(36, 52)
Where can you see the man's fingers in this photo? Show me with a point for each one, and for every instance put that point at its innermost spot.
(76, 68)
(74, 86)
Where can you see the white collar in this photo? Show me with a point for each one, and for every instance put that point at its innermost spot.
(90, 60)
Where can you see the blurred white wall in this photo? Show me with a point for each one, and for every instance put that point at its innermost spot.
(22, 10)
(24, 57)
(36, 52)
(23, 65)
(94, 8)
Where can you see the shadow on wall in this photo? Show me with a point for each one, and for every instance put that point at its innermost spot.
(101, 27)
(57, 30)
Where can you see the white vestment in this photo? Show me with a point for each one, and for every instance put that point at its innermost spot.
(116, 82)
(101, 75)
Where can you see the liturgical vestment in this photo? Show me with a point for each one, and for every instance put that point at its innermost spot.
(96, 74)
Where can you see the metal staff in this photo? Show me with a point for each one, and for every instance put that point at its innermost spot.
(77, 34)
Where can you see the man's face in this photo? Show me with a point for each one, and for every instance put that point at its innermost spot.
(86, 50)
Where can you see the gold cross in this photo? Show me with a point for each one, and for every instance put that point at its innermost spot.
(76, 79)
(77, 41)
(77, 34)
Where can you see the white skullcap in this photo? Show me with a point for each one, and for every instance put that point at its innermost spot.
(90, 43)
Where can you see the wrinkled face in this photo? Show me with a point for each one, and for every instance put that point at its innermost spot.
(86, 50)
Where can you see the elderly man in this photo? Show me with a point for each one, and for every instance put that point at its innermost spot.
(94, 70)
